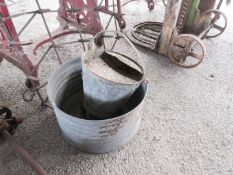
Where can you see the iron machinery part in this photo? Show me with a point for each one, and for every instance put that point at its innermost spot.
(7, 121)
(8, 125)
(151, 4)
(217, 16)
(146, 34)
(208, 4)
(28, 83)
(187, 46)
(83, 16)
(4, 110)
(183, 15)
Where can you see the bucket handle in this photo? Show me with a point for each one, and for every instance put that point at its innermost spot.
(128, 41)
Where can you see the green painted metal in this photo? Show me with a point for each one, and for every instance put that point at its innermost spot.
(192, 14)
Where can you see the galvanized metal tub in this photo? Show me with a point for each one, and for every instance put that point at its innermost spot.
(104, 97)
(87, 134)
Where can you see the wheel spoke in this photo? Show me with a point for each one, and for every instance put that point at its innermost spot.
(218, 27)
(188, 45)
(216, 18)
(179, 45)
(195, 55)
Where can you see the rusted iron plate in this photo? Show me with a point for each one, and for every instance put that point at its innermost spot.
(146, 34)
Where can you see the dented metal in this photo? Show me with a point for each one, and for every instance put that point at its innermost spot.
(80, 128)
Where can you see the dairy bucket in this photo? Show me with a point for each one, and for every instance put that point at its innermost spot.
(108, 81)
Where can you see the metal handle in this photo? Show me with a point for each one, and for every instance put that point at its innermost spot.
(140, 64)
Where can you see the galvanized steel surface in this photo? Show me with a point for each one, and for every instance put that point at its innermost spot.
(95, 136)
(104, 98)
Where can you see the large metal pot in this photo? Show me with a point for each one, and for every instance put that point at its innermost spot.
(65, 92)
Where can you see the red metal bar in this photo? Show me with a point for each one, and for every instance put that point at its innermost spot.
(13, 52)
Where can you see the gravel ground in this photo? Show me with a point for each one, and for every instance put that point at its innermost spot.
(186, 128)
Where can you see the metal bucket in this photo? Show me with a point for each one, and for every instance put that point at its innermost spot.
(104, 97)
(65, 92)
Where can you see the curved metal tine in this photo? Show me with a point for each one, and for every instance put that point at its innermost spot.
(144, 40)
(147, 34)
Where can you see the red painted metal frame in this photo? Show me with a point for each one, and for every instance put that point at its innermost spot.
(83, 15)
(89, 18)
(11, 48)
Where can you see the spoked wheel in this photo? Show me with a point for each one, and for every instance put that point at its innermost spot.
(187, 51)
(218, 23)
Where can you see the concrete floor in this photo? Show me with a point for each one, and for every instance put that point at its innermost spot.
(186, 128)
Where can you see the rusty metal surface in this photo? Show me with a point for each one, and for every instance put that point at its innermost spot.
(146, 34)
(7, 121)
(81, 129)
(187, 46)
(183, 14)
(207, 5)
